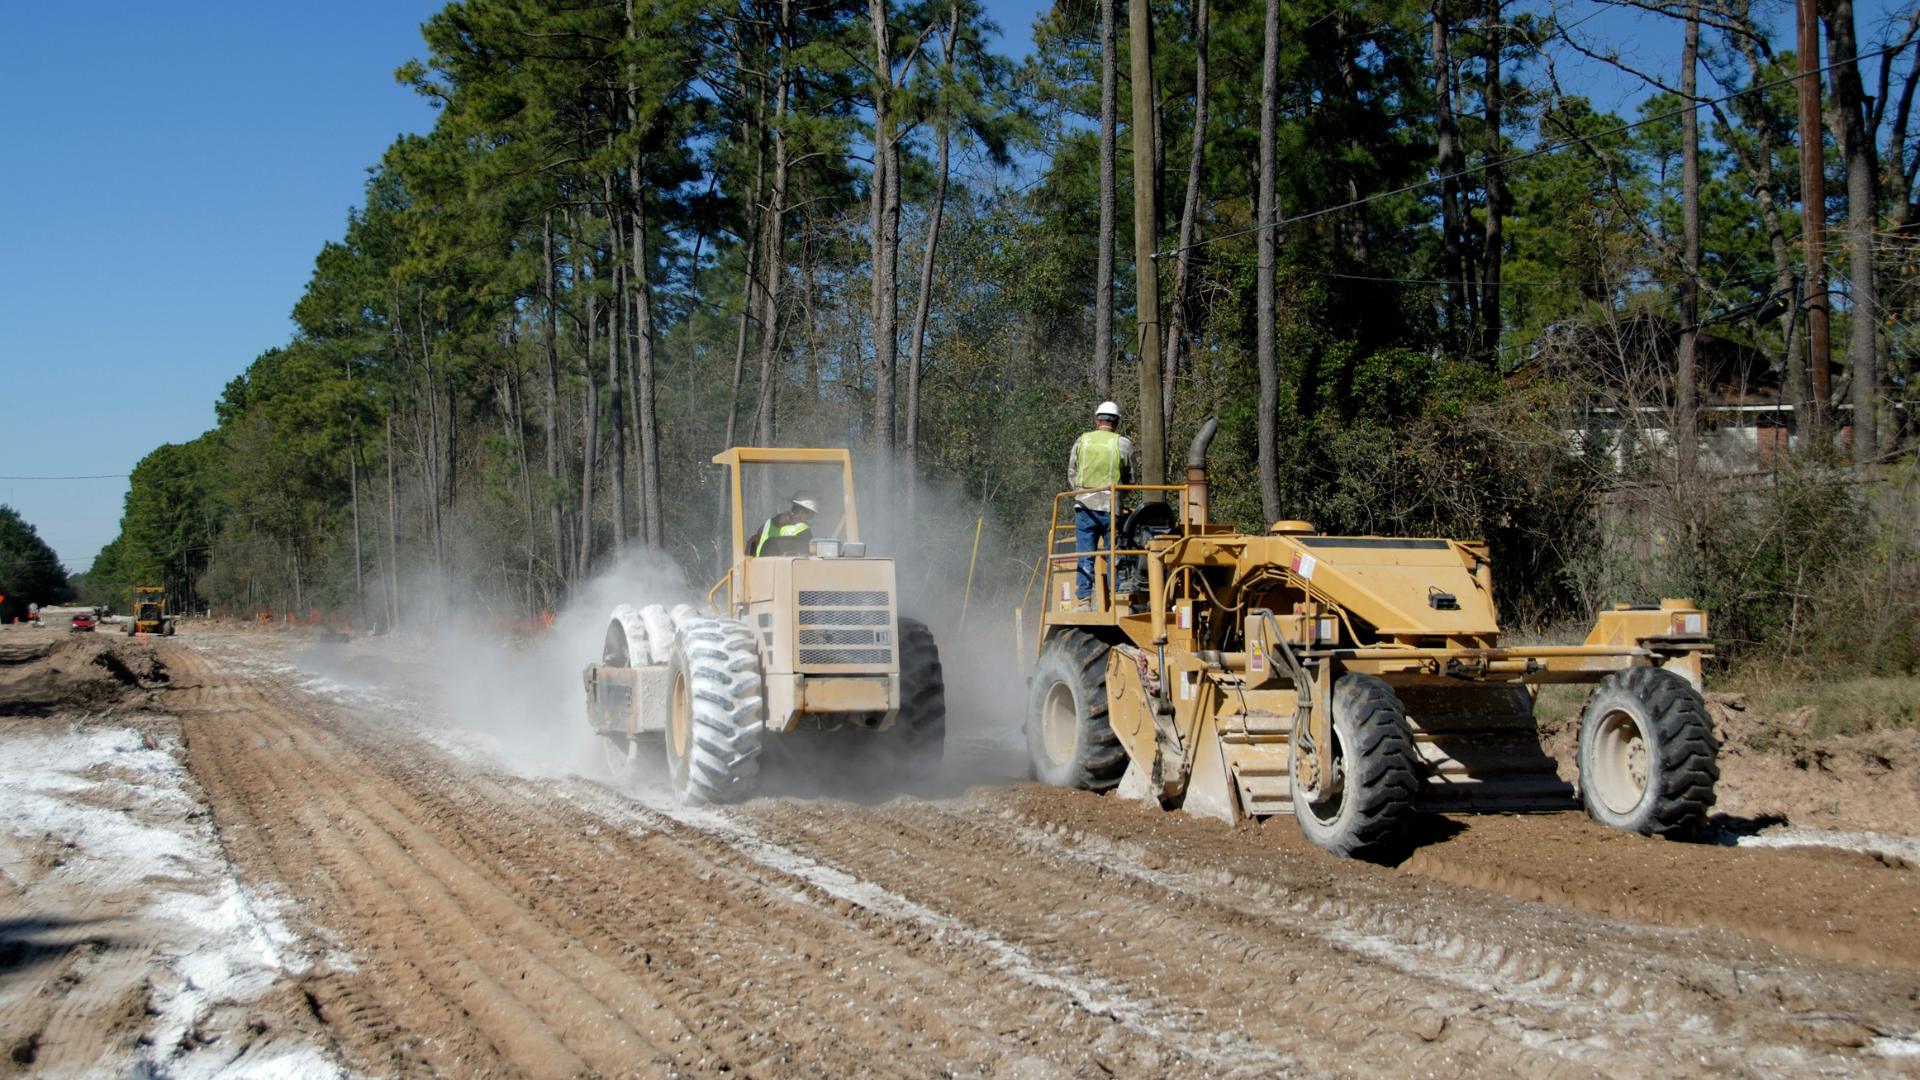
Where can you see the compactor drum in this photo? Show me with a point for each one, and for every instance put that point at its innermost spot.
(1351, 681)
(809, 640)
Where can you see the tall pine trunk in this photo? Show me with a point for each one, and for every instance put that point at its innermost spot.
(393, 533)
(616, 337)
(1686, 384)
(1447, 163)
(550, 422)
(886, 238)
(923, 302)
(1848, 120)
(1264, 283)
(646, 416)
(1490, 320)
(1189, 211)
(750, 286)
(1757, 162)
(773, 259)
(1103, 265)
(590, 443)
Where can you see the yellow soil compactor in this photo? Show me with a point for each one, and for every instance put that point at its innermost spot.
(808, 641)
(1350, 681)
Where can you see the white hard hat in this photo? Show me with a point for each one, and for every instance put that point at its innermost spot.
(808, 503)
(1107, 408)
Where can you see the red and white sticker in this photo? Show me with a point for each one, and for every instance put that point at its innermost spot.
(1303, 566)
(1256, 657)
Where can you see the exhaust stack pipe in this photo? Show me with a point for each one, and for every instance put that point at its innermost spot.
(1196, 501)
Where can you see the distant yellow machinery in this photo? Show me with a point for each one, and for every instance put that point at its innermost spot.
(149, 615)
(1348, 680)
(801, 642)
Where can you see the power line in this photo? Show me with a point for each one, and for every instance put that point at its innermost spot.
(1538, 151)
(90, 476)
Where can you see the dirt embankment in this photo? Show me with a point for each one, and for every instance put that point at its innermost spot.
(44, 671)
(1776, 767)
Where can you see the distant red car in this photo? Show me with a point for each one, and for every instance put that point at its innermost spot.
(82, 622)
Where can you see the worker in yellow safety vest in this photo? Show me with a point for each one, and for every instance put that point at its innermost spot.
(1101, 458)
(787, 533)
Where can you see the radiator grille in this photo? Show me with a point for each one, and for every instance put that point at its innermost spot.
(843, 617)
(845, 656)
(845, 637)
(845, 626)
(842, 598)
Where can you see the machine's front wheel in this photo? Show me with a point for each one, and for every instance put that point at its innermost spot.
(716, 713)
(1363, 808)
(1647, 757)
(1069, 741)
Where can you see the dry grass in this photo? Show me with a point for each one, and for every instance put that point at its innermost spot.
(1819, 710)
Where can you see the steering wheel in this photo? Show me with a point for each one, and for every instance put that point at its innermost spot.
(1146, 521)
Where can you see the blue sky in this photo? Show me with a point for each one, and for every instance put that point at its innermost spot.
(170, 171)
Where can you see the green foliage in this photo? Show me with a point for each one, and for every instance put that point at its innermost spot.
(30, 573)
(440, 429)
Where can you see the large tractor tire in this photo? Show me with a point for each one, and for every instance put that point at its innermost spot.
(717, 709)
(1069, 742)
(1647, 757)
(919, 734)
(1365, 809)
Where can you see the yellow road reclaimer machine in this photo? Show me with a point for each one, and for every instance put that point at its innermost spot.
(149, 615)
(1351, 681)
(806, 648)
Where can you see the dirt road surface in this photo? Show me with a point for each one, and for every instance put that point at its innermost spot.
(364, 884)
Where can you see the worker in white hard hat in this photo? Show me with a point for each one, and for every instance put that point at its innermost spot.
(787, 532)
(1101, 458)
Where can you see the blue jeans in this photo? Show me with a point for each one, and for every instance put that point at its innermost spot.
(1089, 534)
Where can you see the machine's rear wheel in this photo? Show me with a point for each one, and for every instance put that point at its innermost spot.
(1647, 757)
(717, 713)
(1363, 808)
(1069, 742)
(918, 736)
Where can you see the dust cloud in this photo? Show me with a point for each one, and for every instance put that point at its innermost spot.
(520, 702)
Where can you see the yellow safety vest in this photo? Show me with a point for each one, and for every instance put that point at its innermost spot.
(1097, 459)
(770, 530)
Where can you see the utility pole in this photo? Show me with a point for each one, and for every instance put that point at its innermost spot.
(1813, 215)
(1146, 273)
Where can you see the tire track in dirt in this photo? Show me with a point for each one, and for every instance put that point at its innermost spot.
(80, 976)
(1064, 994)
(1330, 1007)
(1739, 998)
(1846, 907)
(929, 995)
(399, 882)
(886, 995)
(911, 985)
(506, 924)
(489, 855)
